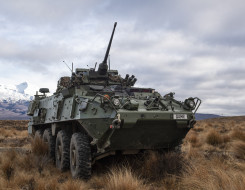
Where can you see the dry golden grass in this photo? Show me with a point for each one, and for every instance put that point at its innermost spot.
(213, 157)
(72, 184)
(238, 134)
(158, 165)
(123, 179)
(7, 169)
(214, 138)
(38, 147)
(238, 148)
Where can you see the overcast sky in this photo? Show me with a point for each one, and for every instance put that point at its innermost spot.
(193, 48)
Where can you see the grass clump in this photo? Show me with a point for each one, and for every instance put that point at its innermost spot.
(238, 135)
(193, 140)
(238, 148)
(39, 147)
(214, 138)
(7, 168)
(158, 165)
(210, 174)
(123, 179)
(74, 185)
(7, 164)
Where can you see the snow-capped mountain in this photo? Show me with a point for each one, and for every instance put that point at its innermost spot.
(14, 101)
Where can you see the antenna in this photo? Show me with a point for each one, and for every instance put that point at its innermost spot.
(95, 65)
(69, 67)
(72, 66)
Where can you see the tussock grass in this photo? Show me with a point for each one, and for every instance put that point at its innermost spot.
(238, 148)
(238, 134)
(123, 179)
(39, 147)
(226, 138)
(74, 185)
(157, 165)
(193, 139)
(214, 138)
(97, 182)
(7, 168)
(212, 157)
(211, 175)
(198, 129)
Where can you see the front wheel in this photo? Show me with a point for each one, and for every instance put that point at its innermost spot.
(80, 156)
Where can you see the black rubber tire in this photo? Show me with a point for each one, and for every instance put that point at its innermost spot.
(50, 140)
(80, 156)
(62, 151)
(38, 134)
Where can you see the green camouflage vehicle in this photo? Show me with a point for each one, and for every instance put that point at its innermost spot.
(94, 114)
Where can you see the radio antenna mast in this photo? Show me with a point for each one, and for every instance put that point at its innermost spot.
(69, 67)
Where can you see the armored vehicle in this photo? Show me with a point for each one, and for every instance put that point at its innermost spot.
(96, 113)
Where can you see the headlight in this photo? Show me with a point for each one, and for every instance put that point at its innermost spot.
(190, 103)
(116, 102)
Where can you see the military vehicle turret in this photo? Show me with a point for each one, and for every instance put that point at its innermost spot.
(97, 113)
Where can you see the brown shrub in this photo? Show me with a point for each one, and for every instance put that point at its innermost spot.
(25, 181)
(5, 132)
(193, 139)
(238, 148)
(38, 161)
(39, 147)
(156, 165)
(97, 182)
(25, 162)
(210, 176)
(213, 172)
(191, 152)
(7, 168)
(226, 138)
(198, 129)
(169, 182)
(214, 138)
(52, 185)
(41, 162)
(123, 179)
(73, 184)
(238, 134)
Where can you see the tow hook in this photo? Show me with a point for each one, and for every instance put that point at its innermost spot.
(116, 123)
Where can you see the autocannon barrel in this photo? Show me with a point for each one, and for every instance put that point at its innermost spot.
(103, 67)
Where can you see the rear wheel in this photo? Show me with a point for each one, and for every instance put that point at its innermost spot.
(62, 151)
(38, 134)
(80, 156)
(50, 140)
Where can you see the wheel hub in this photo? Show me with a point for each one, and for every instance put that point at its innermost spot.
(59, 152)
(73, 158)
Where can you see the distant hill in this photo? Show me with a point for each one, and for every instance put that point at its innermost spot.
(14, 101)
(201, 116)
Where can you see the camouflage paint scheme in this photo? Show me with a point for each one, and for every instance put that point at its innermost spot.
(116, 116)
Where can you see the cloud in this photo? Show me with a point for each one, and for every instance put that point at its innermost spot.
(194, 48)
